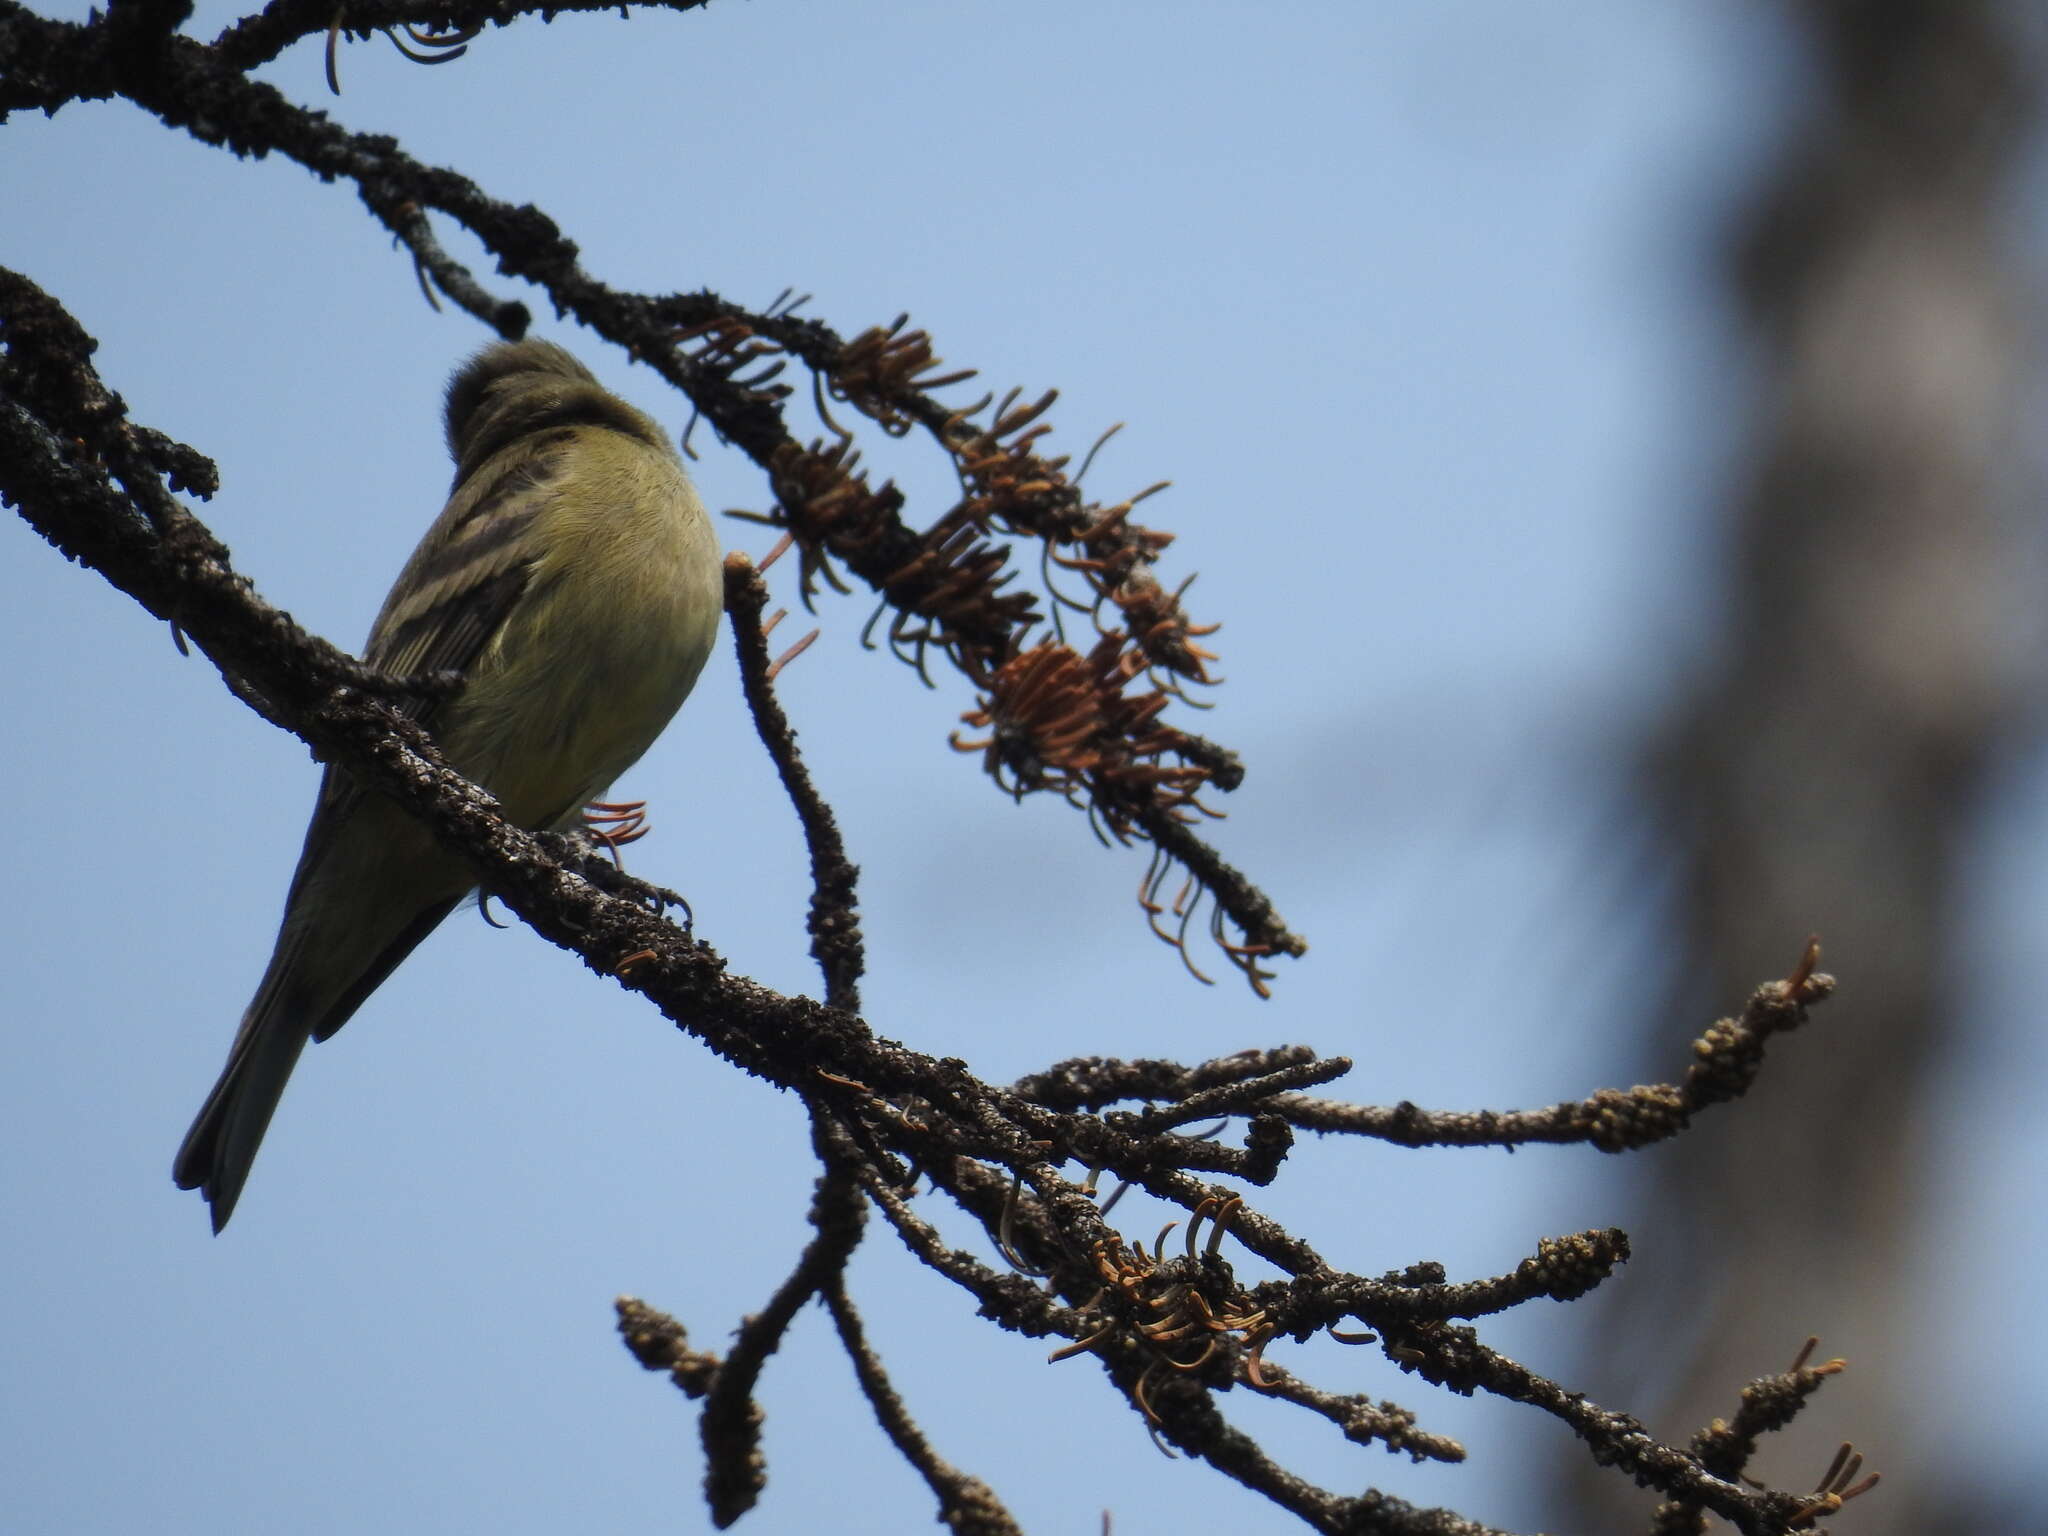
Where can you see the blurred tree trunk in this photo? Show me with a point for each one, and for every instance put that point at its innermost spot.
(1825, 774)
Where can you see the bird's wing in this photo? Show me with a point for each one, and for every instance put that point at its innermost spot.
(467, 575)
(452, 598)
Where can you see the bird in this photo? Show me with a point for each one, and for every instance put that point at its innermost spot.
(573, 583)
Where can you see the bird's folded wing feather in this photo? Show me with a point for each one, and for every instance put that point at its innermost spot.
(451, 599)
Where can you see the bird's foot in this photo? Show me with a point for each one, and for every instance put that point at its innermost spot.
(616, 823)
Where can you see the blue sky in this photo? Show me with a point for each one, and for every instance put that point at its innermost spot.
(1416, 304)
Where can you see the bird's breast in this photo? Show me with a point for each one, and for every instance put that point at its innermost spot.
(620, 613)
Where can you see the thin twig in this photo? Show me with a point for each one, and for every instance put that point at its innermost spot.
(967, 1505)
(508, 317)
(834, 920)
(1725, 1062)
(731, 1426)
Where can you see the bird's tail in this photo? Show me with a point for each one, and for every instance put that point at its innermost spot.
(221, 1146)
(329, 958)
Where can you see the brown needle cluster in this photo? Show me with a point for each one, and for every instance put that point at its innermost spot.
(880, 370)
(1008, 486)
(1178, 1314)
(1062, 721)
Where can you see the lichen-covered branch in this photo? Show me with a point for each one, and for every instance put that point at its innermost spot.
(1726, 1060)
(1171, 1327)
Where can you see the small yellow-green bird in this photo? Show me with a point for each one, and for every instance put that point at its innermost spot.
(574, 582)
